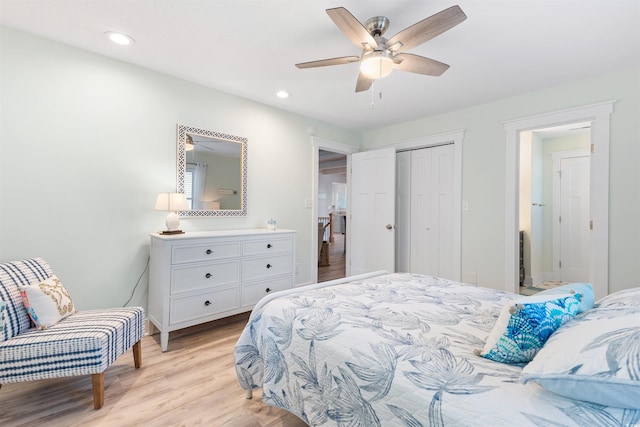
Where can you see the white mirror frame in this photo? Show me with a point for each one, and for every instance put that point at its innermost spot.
(182, 164)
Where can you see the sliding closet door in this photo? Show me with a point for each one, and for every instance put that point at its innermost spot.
(403, 211)
(432, 211)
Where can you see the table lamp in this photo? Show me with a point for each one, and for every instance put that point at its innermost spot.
(172, 202)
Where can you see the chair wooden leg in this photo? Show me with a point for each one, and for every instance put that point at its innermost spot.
(97, 381)
(137, 354)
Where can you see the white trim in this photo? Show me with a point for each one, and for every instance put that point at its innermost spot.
(337, 147)
(455, 137)
(599, 114)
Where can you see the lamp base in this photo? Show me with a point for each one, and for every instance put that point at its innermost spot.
(171, 232)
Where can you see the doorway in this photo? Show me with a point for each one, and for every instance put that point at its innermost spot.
(599, 115)
(332, 215)
(554, 206)
(360, 247)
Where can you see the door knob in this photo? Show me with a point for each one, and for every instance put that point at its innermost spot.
(389, 226)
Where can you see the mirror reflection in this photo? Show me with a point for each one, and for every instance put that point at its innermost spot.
(212, 172)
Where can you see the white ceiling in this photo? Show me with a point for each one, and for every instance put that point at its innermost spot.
(249, 48)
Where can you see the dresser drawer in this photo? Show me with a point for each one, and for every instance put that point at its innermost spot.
(267, 246)
(266, 266)
(204, 276)
(253, 293)
(204, 252)
(206, 304)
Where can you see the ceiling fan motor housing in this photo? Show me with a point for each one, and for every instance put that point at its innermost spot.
(377, 25)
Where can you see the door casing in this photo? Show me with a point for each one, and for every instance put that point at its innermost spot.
(599, 115)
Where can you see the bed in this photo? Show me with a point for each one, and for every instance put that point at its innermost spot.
(413, 350)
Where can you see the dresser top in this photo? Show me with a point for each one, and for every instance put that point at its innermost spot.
(220, 233)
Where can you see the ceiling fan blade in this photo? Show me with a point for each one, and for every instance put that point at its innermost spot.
(428, 28)
(363, 83)
(351, 27)
(419, 64)
(326, 62)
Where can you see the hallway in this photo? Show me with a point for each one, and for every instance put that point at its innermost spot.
(337, 258)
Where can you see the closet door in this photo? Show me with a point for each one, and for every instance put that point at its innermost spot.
(403, 211)
(432, 211)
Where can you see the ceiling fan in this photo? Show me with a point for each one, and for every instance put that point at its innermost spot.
(379, 55)
(191, 144)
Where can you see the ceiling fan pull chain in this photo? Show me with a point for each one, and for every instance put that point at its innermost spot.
(372, 101)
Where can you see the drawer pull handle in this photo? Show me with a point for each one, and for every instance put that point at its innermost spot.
(268, 265)
(208, 275)
(209, 252)
(267, 290)
(207, 303)
(269, 245)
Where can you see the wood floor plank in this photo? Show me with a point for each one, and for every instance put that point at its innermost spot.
(194, 383)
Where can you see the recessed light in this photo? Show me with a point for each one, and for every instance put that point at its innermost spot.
(119, 38)
(282, 94)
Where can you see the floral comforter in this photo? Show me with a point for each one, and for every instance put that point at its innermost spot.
(395, 349)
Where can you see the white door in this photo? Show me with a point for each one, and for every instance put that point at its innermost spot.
(432, 211)
(403, 211)
(574, 219)
(372, 216)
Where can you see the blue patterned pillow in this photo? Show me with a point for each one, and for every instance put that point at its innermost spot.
(525, 324)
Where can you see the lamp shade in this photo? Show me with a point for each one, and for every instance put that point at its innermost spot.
(171, 202)
(376, 64)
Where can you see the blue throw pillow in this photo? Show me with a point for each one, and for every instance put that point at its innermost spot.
(584, 289)
(525, 324)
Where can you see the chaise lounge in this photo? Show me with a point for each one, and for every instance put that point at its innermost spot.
(80, 343)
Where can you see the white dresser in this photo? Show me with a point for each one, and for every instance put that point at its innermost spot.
(201, 276)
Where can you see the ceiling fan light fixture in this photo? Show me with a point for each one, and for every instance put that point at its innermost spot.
(188, 145)
(376, 64)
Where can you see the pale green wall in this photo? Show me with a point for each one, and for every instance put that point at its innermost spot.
(483, 165)
(87, 142)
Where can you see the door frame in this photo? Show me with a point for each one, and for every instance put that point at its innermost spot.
(599, 115)
(456, 138)
(336, 147)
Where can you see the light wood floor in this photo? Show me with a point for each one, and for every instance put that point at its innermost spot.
(193, 383)
(337, 257)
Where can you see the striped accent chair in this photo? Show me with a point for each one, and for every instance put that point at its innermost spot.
(84, 343)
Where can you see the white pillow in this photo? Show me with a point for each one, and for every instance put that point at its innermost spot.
(47, 302)
(625, 298)
(593, 358)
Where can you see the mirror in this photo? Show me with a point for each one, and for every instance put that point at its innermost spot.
(212, 172)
